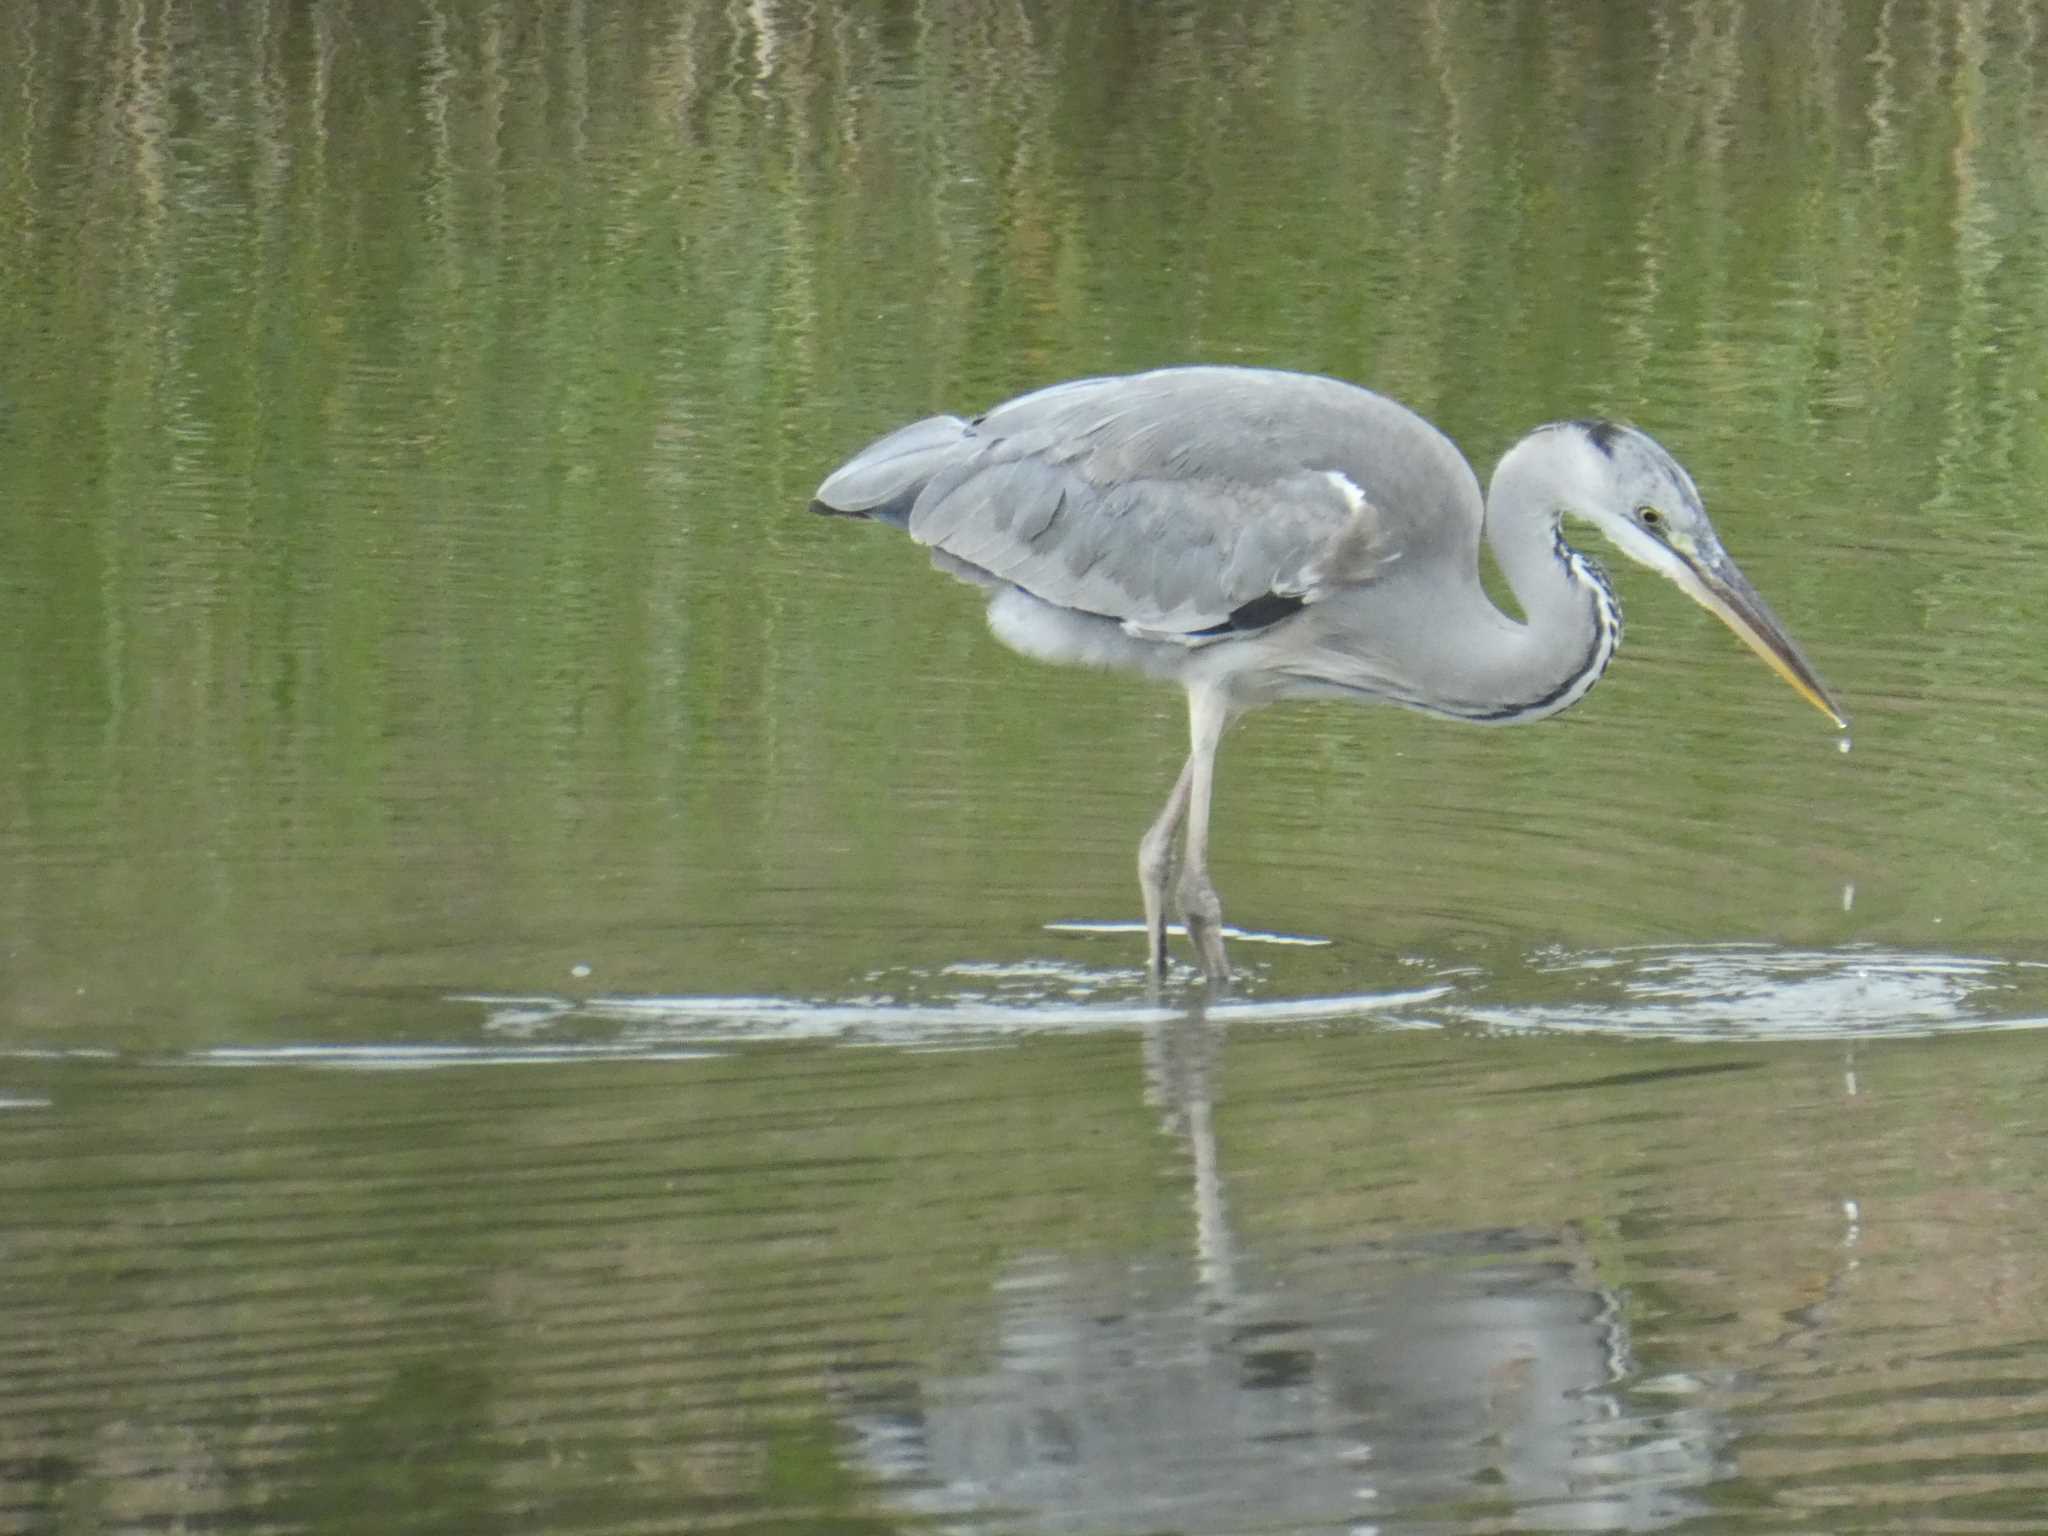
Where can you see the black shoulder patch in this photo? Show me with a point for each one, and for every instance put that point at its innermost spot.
(1262, 612)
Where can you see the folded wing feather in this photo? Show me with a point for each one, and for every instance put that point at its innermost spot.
(1166, 510)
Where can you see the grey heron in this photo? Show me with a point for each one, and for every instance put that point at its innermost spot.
(1255, 535)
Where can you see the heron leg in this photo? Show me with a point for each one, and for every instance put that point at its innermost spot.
(1155, 861)
(1208, 715)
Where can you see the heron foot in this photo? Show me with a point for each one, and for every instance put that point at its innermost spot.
(1203, 911)
(1155, 946)
(1155, 863)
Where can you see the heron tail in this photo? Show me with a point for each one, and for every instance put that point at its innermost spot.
(884, 479)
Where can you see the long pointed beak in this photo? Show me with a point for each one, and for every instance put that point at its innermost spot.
(1716, 585)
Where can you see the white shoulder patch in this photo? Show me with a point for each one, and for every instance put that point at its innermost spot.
(1354, 554)
(1353, 496)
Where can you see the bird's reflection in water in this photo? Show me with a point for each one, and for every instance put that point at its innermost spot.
(1474, 1378)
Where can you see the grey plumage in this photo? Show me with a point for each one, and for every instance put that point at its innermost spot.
(1255, 535)
(1167, 500)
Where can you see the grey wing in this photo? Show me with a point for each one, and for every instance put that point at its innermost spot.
(884, 480)
(1179, 502)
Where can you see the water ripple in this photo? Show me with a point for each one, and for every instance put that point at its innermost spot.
(968, 1006)
(1762, 992)
(1732, 992)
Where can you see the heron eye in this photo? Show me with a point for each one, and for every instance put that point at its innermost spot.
(1650, 518)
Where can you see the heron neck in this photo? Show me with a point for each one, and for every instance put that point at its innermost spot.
(1571, 622)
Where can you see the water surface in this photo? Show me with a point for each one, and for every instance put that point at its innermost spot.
(543, 988)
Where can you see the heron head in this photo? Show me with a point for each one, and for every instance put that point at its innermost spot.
(1646, 504)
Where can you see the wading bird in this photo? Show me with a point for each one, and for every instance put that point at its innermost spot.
(1255, 536)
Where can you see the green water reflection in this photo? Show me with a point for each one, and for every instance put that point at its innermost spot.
(406, 419)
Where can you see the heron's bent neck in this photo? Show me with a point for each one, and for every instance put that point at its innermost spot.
(1571, 622)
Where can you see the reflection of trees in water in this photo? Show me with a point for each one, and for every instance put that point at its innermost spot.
(1021, 177)
(1476, 1376)
(687, 243)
